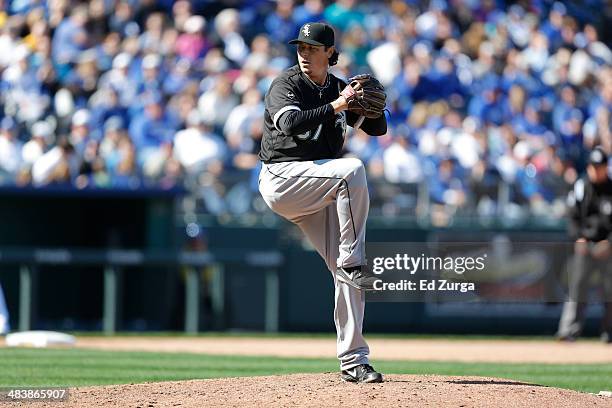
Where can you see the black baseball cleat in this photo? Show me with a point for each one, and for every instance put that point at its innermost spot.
(357, 277)
(363, 373)
(606, 337)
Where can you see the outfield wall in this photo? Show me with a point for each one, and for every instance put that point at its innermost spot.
(153, 298)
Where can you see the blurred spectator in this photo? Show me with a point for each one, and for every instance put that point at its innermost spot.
(178, 78)
(150, 78)
(556, 177)
(152, 129)
(23, 95)
(10, 147)
(181, 11)
(487, 107)
(259, 59)
(401, 162)
(216, 104)
(311, 10)
(126, 174)
(535, 55)
(551, 27)
(80, 130)
(280, 24)
(151, 38)
(356, 45)
(227, 24)
(192, 44)
(92, 171)
(121, 21)
(70, 37)
(118, 80)
(241, 126)
(83, 80)
(197, 147)
(41, 134)
(97, 23)
(447, 186)
(55, 166)
(9, 40)
(114, 132)
(106, 105)
(529, 127)
(484, 181)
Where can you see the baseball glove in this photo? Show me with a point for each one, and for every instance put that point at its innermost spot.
(365, 96)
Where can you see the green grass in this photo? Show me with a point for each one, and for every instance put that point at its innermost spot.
(77, 367)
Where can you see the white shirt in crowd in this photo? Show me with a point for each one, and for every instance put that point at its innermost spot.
(45, 165)
(10, 155)
(32, 151)
(194, 149)
(401, 165)
(7, 49)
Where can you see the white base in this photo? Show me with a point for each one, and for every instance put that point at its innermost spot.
(39, 339)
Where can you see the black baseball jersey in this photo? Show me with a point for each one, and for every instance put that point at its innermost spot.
(293, 91)
(590, 210)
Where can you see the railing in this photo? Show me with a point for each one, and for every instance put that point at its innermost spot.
(114, 260)
(239, 198)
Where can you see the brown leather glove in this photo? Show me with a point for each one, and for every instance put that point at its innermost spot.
(365, 96)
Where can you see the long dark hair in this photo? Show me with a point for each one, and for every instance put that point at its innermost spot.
(333, 60)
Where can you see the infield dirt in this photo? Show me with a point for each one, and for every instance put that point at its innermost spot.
(327, 390)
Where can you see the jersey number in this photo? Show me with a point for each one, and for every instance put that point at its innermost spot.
(310, 135)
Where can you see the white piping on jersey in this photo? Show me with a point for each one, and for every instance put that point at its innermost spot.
(281, 111)
(318, 133)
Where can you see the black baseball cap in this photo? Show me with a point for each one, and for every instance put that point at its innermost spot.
(315, 34)
(598, 157)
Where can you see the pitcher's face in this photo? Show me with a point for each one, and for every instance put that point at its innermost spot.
(313, 59)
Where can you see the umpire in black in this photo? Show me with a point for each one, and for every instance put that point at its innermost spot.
(590, 224)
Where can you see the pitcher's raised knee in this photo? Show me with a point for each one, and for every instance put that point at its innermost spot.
(354, 169)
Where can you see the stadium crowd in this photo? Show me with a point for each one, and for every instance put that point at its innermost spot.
(132, 94)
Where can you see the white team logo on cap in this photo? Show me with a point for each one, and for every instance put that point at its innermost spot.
(306, 30)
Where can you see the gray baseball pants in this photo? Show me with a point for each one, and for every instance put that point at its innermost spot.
(328, 200)
(581, 273)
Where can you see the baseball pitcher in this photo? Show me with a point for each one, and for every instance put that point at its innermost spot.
(302, 179)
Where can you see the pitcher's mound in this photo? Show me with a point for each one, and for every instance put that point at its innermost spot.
(327, 390)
